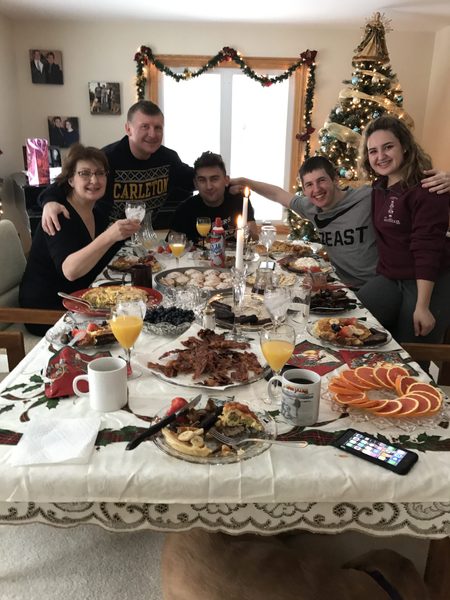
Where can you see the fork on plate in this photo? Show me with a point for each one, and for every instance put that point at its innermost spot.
(235, 443)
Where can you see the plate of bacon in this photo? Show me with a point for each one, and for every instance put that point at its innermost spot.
(207, 360)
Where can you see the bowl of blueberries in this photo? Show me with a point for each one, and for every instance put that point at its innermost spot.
(168, 321)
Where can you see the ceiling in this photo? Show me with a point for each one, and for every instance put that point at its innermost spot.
(422, 15)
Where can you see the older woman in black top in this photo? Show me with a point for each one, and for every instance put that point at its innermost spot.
(71, 259)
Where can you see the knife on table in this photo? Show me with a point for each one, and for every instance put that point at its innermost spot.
(162, 423)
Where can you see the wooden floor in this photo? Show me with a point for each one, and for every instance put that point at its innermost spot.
(437, 572)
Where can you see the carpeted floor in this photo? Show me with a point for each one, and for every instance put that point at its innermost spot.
(82, 563)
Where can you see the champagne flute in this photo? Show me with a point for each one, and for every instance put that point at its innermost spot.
(277, 301)
(267, 237)
(177, 243)
(239, 281)
(203, 227)
(277, 346)
(127, 320)
(135, 211)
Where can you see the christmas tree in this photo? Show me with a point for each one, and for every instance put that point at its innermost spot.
(372, 91)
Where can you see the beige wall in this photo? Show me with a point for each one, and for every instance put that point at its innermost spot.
(10, 120)
(105, 50)
(436, 136)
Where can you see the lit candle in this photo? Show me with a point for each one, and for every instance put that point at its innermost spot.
(239, 264)
(245, 206)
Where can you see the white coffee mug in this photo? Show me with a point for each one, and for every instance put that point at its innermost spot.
(107, 380)
(300, 396)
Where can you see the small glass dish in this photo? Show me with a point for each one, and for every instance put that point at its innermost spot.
(167, 329)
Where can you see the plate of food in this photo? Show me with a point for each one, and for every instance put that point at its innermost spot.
(349, 333)
(103, 299)
(331, 300)
(187, 441)
(253, 314)
(85, 335)
(208, 360)
(295, 247)
(125, 263)
(205, 278)
(304, 264)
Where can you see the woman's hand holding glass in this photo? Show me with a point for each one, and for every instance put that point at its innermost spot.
(135, 211)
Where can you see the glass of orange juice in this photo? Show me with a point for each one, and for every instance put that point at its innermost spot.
(177, 243)
(277, 346)
(203, 227)
(127, 320)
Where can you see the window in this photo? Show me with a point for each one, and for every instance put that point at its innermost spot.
(225, 111)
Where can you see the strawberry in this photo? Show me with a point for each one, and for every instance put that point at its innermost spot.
(160, 249)
(92, 327)
(345, 331)
(315, 269)
(349, 321)
(75, 332)
(176, 404)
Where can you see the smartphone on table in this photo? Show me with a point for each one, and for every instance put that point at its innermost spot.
(365, 446)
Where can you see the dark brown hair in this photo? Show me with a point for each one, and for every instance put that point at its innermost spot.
(317, 162)
(144, 106)
(209, 159)
(76, 153)
(415, 159)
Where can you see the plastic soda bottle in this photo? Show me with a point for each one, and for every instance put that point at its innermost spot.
(217, 244)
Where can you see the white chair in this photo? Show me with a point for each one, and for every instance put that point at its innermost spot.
(14, 207)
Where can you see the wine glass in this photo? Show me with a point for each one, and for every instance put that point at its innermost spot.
(300, 303)
(135, 211)
(127, 320)
(277, 346)
(267, 237)
(277, 301)
(177, 243)
(239, 280)
(203, 227)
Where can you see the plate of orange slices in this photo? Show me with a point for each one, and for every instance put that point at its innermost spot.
(386, 390)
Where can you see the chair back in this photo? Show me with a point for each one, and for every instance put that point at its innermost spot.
(13, 264)
(14, 207)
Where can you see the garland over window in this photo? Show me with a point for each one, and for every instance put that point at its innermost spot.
(145, 56)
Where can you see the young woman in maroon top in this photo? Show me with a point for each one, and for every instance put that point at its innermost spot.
(411, 294)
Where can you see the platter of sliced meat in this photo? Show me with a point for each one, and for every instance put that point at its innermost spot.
(207, 360)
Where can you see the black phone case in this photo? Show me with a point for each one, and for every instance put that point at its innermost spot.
(402, 468)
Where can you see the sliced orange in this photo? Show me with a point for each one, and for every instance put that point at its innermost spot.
(409, 406)
(424, 403)
(380, 374)
(394, 372)
(366, 375)
(419, 386)
(350, 398)
(353, 380)
(339, 389)
(381, 403)
(390, 408)
(402, 383)
(368, 404)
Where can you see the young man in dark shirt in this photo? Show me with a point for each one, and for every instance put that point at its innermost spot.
(213, 200)
(140, 168)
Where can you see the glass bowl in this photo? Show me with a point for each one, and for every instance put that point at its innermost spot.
(165, 328)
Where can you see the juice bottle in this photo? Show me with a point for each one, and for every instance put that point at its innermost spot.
(217, 242)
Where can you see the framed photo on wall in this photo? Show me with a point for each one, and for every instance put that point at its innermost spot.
(63, 131)
(104, 98)
(46, 66)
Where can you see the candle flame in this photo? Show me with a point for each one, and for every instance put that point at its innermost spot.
(246, 192)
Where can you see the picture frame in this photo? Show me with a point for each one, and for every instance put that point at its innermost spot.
(46, 66)
(63, 131)
(104, 98)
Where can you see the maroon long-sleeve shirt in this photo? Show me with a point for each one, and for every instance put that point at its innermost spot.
(411, 226)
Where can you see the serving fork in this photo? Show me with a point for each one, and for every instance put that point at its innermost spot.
(235, 443)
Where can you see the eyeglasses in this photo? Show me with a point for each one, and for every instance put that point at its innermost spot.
(87, 175)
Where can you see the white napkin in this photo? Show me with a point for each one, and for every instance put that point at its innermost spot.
(47, 441)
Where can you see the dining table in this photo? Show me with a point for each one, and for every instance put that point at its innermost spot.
(317, 488)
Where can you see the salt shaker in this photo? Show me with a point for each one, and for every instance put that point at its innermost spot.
(209, 318)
